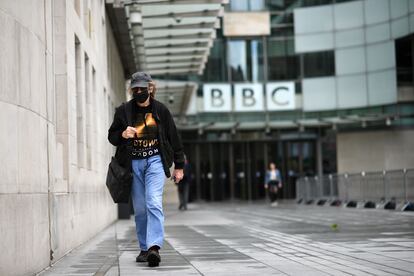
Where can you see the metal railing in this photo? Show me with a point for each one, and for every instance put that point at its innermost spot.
(377, 187)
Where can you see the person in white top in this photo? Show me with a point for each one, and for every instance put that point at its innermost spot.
(273, 182)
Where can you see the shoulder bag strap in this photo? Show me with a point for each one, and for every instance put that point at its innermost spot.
(128, 113)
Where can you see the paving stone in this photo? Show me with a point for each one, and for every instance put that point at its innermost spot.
(255, 239)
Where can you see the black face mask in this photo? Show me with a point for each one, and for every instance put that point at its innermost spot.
(142, 96)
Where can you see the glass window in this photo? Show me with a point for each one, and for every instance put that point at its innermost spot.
(343, 1)
(282, 31)
(404, 59)
(247, 5)
(239, 5)
(283, 68)
(282, 63)
(309, 158)
(256, 60)
(256, 5)
(319, 64)
(281, 47)
(219, 31)
(298, 87)
(281, 19)
(245, 59)
(216, 66)
(281, 24)
(289, 5)
(282, 5)
(237, 60)
(308, 3)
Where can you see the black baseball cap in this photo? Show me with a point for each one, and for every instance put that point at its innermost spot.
(140, 79)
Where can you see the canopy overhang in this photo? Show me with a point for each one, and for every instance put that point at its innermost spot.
(329, 122)
(166, 38)
(173, 37)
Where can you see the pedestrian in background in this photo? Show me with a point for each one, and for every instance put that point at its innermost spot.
(184, 185)
(273, 182)
(148, 147)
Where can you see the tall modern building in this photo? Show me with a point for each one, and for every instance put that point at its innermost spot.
(315, 86)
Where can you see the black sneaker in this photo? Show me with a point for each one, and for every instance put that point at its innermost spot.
(142, 257)
(153, 257)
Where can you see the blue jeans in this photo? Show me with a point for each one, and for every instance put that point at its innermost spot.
(147, 190)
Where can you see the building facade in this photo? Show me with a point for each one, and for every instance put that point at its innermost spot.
(61, 76)
(65, 65)
(315, 86)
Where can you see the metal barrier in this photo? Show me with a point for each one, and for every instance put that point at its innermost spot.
(378, 187)
(409, 185)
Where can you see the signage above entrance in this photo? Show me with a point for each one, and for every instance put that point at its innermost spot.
(249, 97)
(217, 98)
(280, 96)
(246, 24)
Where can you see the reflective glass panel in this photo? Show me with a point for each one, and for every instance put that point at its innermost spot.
(237, 60)
(282, 63)
(319, 64)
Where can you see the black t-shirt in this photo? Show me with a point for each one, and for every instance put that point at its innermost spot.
(145, 143)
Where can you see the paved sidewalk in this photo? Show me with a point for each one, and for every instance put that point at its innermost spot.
(256, 239)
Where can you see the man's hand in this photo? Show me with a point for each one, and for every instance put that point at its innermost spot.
(178, 175)
(129, 132)
(265, 186)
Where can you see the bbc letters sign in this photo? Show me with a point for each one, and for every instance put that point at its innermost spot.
(249, 97)
(217, 98)
(280, 96)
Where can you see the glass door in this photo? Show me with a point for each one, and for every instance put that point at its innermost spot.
(240, 171)
(300, 160)
(257, 169)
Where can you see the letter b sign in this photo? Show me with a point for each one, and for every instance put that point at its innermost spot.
(248, 97)
(217, 97)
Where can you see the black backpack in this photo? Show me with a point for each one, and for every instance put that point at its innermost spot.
(119, 176)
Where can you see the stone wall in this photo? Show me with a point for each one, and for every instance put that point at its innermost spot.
(375, 150)
(60, 79)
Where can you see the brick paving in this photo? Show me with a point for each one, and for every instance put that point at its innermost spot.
(256, 239)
